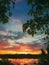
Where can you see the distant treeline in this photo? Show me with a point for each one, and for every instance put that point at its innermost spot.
(15, 56)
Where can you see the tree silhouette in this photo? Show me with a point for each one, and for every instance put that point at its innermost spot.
(5, 62)
(40, 17)
(39, 22)
(5, 10)
(44, 60)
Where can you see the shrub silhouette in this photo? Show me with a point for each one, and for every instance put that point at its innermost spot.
(44, 60)
(5, 62)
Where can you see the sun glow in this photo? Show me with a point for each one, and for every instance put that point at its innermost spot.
(19, 52)
(34, 52)
(7, 52)
(23, 52)
(20, 49)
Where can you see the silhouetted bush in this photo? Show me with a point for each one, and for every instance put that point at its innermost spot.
(44, 60)
(5, 62)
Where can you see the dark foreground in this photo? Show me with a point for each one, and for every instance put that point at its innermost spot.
(15, 56)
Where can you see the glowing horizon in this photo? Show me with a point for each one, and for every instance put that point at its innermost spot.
(19, 49)
(14, 52)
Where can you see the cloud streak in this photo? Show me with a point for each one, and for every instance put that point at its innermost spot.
(18, 48)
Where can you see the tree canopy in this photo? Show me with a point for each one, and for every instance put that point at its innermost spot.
(40, 21)
(44, 60)
(5, 10)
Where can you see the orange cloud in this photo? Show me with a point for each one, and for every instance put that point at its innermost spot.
(6, 48)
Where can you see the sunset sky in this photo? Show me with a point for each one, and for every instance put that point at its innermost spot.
(12, 38)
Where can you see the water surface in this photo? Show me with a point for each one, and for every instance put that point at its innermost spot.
(24, 61)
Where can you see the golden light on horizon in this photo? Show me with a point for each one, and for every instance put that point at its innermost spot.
(34, 52)
(21, 52)
(7, 52)
(20, 49)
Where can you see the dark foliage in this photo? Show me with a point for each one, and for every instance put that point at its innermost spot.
(40, 20)
(44, 60)
(5, 10)
(20, 56)
(5, 62)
